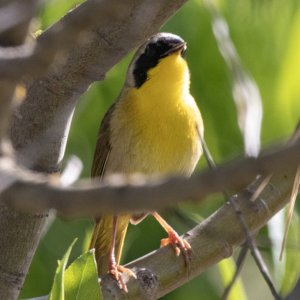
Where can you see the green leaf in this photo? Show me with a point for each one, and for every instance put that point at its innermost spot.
(287, 104)
(292, 256)
(227, 269)
(81, 279)
(57, 290)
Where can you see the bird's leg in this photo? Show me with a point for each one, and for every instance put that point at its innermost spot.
(114, 268)
(179, 244)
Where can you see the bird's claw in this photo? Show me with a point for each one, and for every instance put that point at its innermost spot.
(179, 245)
(116, 272)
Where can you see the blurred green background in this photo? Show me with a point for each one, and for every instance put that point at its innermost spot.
(266, 34)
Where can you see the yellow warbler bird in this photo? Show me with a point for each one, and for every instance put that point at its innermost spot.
(154, 128)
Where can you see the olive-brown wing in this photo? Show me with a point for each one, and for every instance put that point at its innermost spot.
(103, 146)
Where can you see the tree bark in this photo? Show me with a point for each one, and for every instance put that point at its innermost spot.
(29, 192)
(11, 223)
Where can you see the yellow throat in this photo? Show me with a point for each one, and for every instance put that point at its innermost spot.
(161, 120)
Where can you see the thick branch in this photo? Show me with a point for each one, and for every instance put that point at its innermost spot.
(37, 193)
(213, 240)
(12, 267)
(11, 36)
(29, 60)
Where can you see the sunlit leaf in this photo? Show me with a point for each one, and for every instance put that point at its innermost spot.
(81, 279)
(292, 254)
(57, 291)
(288, 87)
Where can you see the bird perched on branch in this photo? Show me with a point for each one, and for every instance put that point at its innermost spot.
(153, 128)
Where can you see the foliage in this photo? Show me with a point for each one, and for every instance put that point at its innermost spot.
(265, 34)
(81, 278)
(79, 281)
(58, 290)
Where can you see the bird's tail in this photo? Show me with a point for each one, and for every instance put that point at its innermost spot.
(102, 240)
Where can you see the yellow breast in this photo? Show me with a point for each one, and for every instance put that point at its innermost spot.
(154, 127)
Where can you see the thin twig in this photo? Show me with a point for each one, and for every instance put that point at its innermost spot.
(293, 198)
(208, 157)
(264, 182)
(254, 251)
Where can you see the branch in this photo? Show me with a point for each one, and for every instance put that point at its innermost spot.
(12, 33)
(31, 193)
(15, 14)
(214, 239)
(34, 60)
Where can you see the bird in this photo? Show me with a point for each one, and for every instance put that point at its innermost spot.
(153, 128)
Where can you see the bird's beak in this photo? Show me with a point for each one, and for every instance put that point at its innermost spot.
(178, 48)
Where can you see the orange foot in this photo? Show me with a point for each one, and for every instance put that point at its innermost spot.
(116, 272)
(179, 245)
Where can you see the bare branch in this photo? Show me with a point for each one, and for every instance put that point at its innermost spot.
(118, 194)
(214, 239)
(14, 13)
(294, 195)
(11, 34)
(29, 60)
